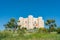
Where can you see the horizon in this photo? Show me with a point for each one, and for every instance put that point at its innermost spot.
(48, 9)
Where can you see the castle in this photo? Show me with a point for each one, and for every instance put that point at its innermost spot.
(31, 22)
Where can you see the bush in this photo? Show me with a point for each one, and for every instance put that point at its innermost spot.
(42, 30)
(58, 30)
(5, 34)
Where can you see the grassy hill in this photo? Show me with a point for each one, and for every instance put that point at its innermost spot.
(10, 35)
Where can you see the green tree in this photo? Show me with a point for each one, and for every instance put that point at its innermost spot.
(12, 24)
(51, 23)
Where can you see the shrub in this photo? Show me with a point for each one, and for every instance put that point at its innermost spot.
(42, 30)
(58, 30)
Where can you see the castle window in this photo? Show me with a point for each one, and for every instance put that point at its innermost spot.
(25, 21)
(35, 22)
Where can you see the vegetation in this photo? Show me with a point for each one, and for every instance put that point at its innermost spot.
(9, 35)
(14, 32)
(58, 30)
(51, 23)
(11, 25)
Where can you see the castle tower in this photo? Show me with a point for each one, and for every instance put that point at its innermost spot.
(30, 22)
(40, 22)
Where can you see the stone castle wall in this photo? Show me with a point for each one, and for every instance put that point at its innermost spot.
(31, 22)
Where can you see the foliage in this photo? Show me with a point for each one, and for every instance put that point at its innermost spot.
(51, 23)
(12, 24)
(9, 35)
(42, 30)
(58, 30)
(24, 34)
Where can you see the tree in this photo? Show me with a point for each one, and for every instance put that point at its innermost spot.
(51, 23)
(12, 24)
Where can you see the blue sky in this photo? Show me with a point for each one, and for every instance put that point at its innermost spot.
(48, 9)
